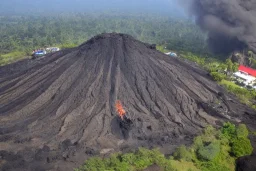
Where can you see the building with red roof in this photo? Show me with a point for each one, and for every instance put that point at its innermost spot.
(247, 70)
(246, 75)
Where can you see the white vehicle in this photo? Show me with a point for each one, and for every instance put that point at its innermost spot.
(52, 49)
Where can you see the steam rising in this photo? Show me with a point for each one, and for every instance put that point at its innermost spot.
(230, 24)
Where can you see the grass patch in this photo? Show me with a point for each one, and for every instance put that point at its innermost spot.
(162, 48)
(245, 96)
(12, 57)
(229, 83)
(67, 45)
(184, 166)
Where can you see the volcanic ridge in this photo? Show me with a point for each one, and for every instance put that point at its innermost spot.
(112, 93)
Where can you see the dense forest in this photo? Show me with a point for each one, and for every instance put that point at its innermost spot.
(21, 34)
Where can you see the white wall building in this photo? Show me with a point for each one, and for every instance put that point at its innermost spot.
(245, 78)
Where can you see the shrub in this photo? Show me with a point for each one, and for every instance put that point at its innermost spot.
(198, 142)
(209, 134)
(242, 131)
(116, 164)
(143, 159)
(128, 158)
(93, 164)
(68, 45)
(241, 147)
(213, 166)
(182, 154)
(158, 158)
(212, 69)
(254, 107)
(217, 76)
(209, 152)
(229, 130)
(209, 130)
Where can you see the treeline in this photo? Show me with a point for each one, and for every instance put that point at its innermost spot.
(214, 150)
(24, 33)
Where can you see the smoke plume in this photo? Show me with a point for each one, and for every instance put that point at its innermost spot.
(230, 24)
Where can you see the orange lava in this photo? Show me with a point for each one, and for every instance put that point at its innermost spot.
(120, 110)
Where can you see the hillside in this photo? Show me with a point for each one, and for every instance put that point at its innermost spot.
(60, 109)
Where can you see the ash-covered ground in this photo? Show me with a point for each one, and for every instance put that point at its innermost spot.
(58, 110)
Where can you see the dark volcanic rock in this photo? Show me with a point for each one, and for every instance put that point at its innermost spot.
(247, 163)
(153, 168)
(66, 101)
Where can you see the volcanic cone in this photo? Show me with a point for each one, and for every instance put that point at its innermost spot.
(62, 107)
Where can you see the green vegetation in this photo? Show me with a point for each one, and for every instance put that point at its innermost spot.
(162, 48)
(238, 138)
(218, 76)
(22, 34)
(241, 147)
(182, 153)
(221, 71)
(11, 57)
(211, 63)
(242, 131)
(127, 162)
(246, 96)
(211, 151)
(228, 131)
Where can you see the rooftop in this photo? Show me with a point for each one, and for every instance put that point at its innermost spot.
(248, 70)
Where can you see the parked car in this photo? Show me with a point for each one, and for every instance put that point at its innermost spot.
(38, 53)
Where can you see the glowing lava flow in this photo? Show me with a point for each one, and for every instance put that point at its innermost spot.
(120, 110)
